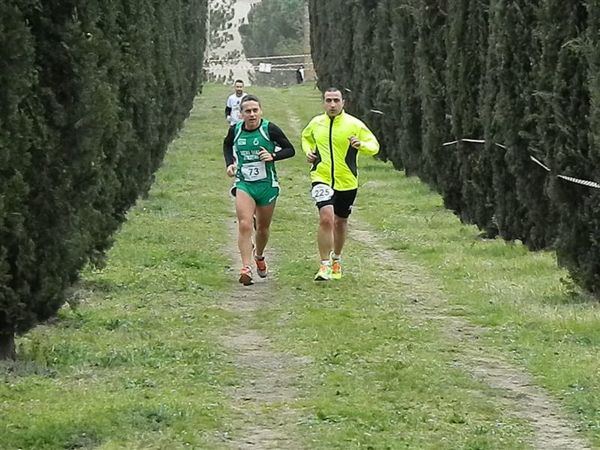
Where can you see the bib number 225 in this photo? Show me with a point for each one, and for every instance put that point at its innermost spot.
(321, 193)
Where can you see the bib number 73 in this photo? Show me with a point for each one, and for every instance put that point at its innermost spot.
(254, 171)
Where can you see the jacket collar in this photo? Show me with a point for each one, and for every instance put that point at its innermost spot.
(336, 118)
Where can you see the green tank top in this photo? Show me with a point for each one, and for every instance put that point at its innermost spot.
(246, 145)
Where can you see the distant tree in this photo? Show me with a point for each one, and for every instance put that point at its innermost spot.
(274, 28)
(221, 14)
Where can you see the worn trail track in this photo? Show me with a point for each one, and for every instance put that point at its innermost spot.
(514, 387)
(269, 379)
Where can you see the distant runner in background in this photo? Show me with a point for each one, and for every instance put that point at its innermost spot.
(300, 75)
(251, 148)
(332, 142)
(232, 106)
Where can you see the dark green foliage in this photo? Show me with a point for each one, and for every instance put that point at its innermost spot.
(509, 91)
(408, 150)
(91, 96)
(275, 27)
(385, 96)
(551, 33)
(363, 79)
(331, 35)
(520, 75)
(363, 75)
(318, 30)
(576, 97)
(436, 164)
(471, 194)
(17, 136)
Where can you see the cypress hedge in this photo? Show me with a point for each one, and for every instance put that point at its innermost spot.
(466, 47)
(385, 93)
(575, 104)
(508, 92)
(408, 113)
(522, 76)
(431, 87)
(92, 93)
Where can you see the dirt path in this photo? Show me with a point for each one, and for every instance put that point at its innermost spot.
(268, 379)
(514, 387)
(294, 125)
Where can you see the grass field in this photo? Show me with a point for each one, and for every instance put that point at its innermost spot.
(408, 350)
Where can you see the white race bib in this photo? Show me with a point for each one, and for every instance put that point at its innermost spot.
(321, 193)
(254, 171)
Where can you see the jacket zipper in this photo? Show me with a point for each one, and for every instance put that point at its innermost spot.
(331, 152)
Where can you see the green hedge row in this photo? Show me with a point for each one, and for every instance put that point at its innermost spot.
(521, 76)
(91, 95)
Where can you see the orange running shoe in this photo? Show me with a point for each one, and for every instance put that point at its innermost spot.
(261, 267)
(336, 269)
(246, 276)
(324, 273)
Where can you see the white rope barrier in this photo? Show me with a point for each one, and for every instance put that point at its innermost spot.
(580, 181)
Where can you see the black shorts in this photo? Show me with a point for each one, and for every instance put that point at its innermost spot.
(342, 202)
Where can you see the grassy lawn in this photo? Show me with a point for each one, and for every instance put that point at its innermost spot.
(137, 360)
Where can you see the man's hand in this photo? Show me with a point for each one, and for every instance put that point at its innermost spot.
(311, 157)
(231, 168)
(264, 155)
(354, 142)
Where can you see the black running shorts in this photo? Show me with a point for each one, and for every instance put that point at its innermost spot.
(342, 202)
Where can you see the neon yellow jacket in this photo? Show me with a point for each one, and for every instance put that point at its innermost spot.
(336, 163)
